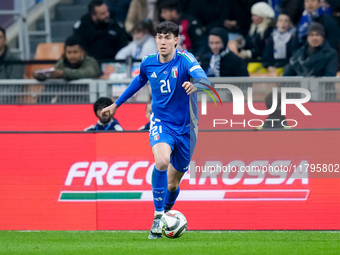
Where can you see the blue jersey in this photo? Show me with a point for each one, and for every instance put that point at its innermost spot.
(170, 102)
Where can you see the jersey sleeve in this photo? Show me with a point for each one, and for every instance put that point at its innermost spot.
(196, 72)
(137, 83)
(193, 67)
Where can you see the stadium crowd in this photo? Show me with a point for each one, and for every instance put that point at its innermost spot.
(274, 37)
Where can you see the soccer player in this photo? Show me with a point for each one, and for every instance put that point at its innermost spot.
(173, 127)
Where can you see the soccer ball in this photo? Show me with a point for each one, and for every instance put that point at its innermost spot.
(175, 224)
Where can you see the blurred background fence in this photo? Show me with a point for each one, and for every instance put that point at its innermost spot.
(31, 91)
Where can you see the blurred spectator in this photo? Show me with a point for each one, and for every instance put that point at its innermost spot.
(313, 13)
(184, 6)
(221, 61)
(190, 31)
(146, 127)
(293, 8)
(260, 31)
(236, 18)
(141, 10)
(8, 70)
(74, 64)
(105, 122)
(118, 9)
(143, 43)
(208, 13)
(325, 7)
(315, 58)
(276, 5)
(281, 45)
(102, 36)
(335, 5)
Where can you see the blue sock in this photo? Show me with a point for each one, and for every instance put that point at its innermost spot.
(159, 188)
(170, 199)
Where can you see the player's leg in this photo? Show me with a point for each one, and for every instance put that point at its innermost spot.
(174, 179)
(179, 164)
(161, 152)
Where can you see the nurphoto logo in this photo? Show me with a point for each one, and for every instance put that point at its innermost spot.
(238, 100)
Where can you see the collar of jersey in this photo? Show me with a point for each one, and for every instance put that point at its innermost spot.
(175, 56)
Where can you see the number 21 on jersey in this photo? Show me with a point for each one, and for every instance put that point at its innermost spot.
(165, 86)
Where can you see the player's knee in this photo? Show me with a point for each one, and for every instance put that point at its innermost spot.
(162, 164)
(172, 186)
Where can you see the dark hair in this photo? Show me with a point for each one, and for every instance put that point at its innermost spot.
(73, 40)
(101, 103)
(167, 27)
(285, 13)
(145, 25)
(316, 27)
(93, 4)
(170, 5)
(3, 31)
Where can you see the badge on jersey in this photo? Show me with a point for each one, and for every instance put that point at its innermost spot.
(156, 137)
(174, 72)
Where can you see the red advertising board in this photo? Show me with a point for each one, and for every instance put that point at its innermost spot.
(132, 117)
(75, 117)
(323, 115)
(82, 181)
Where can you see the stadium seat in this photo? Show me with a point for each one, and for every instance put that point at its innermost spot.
(49, 51)
(45, 51)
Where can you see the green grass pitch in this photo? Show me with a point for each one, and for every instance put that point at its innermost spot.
(192, 242)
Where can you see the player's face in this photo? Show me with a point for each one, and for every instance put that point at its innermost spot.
(315, 39)
(166, 43)
(105, 117)
(312, 5)
(74, 54)
(101, 14)
(215, 44)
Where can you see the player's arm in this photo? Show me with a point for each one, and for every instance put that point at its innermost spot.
(137, 83)
(200, 79)
(134, 86)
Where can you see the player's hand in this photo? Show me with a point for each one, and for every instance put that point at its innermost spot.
(189, 87)
(111, 109)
